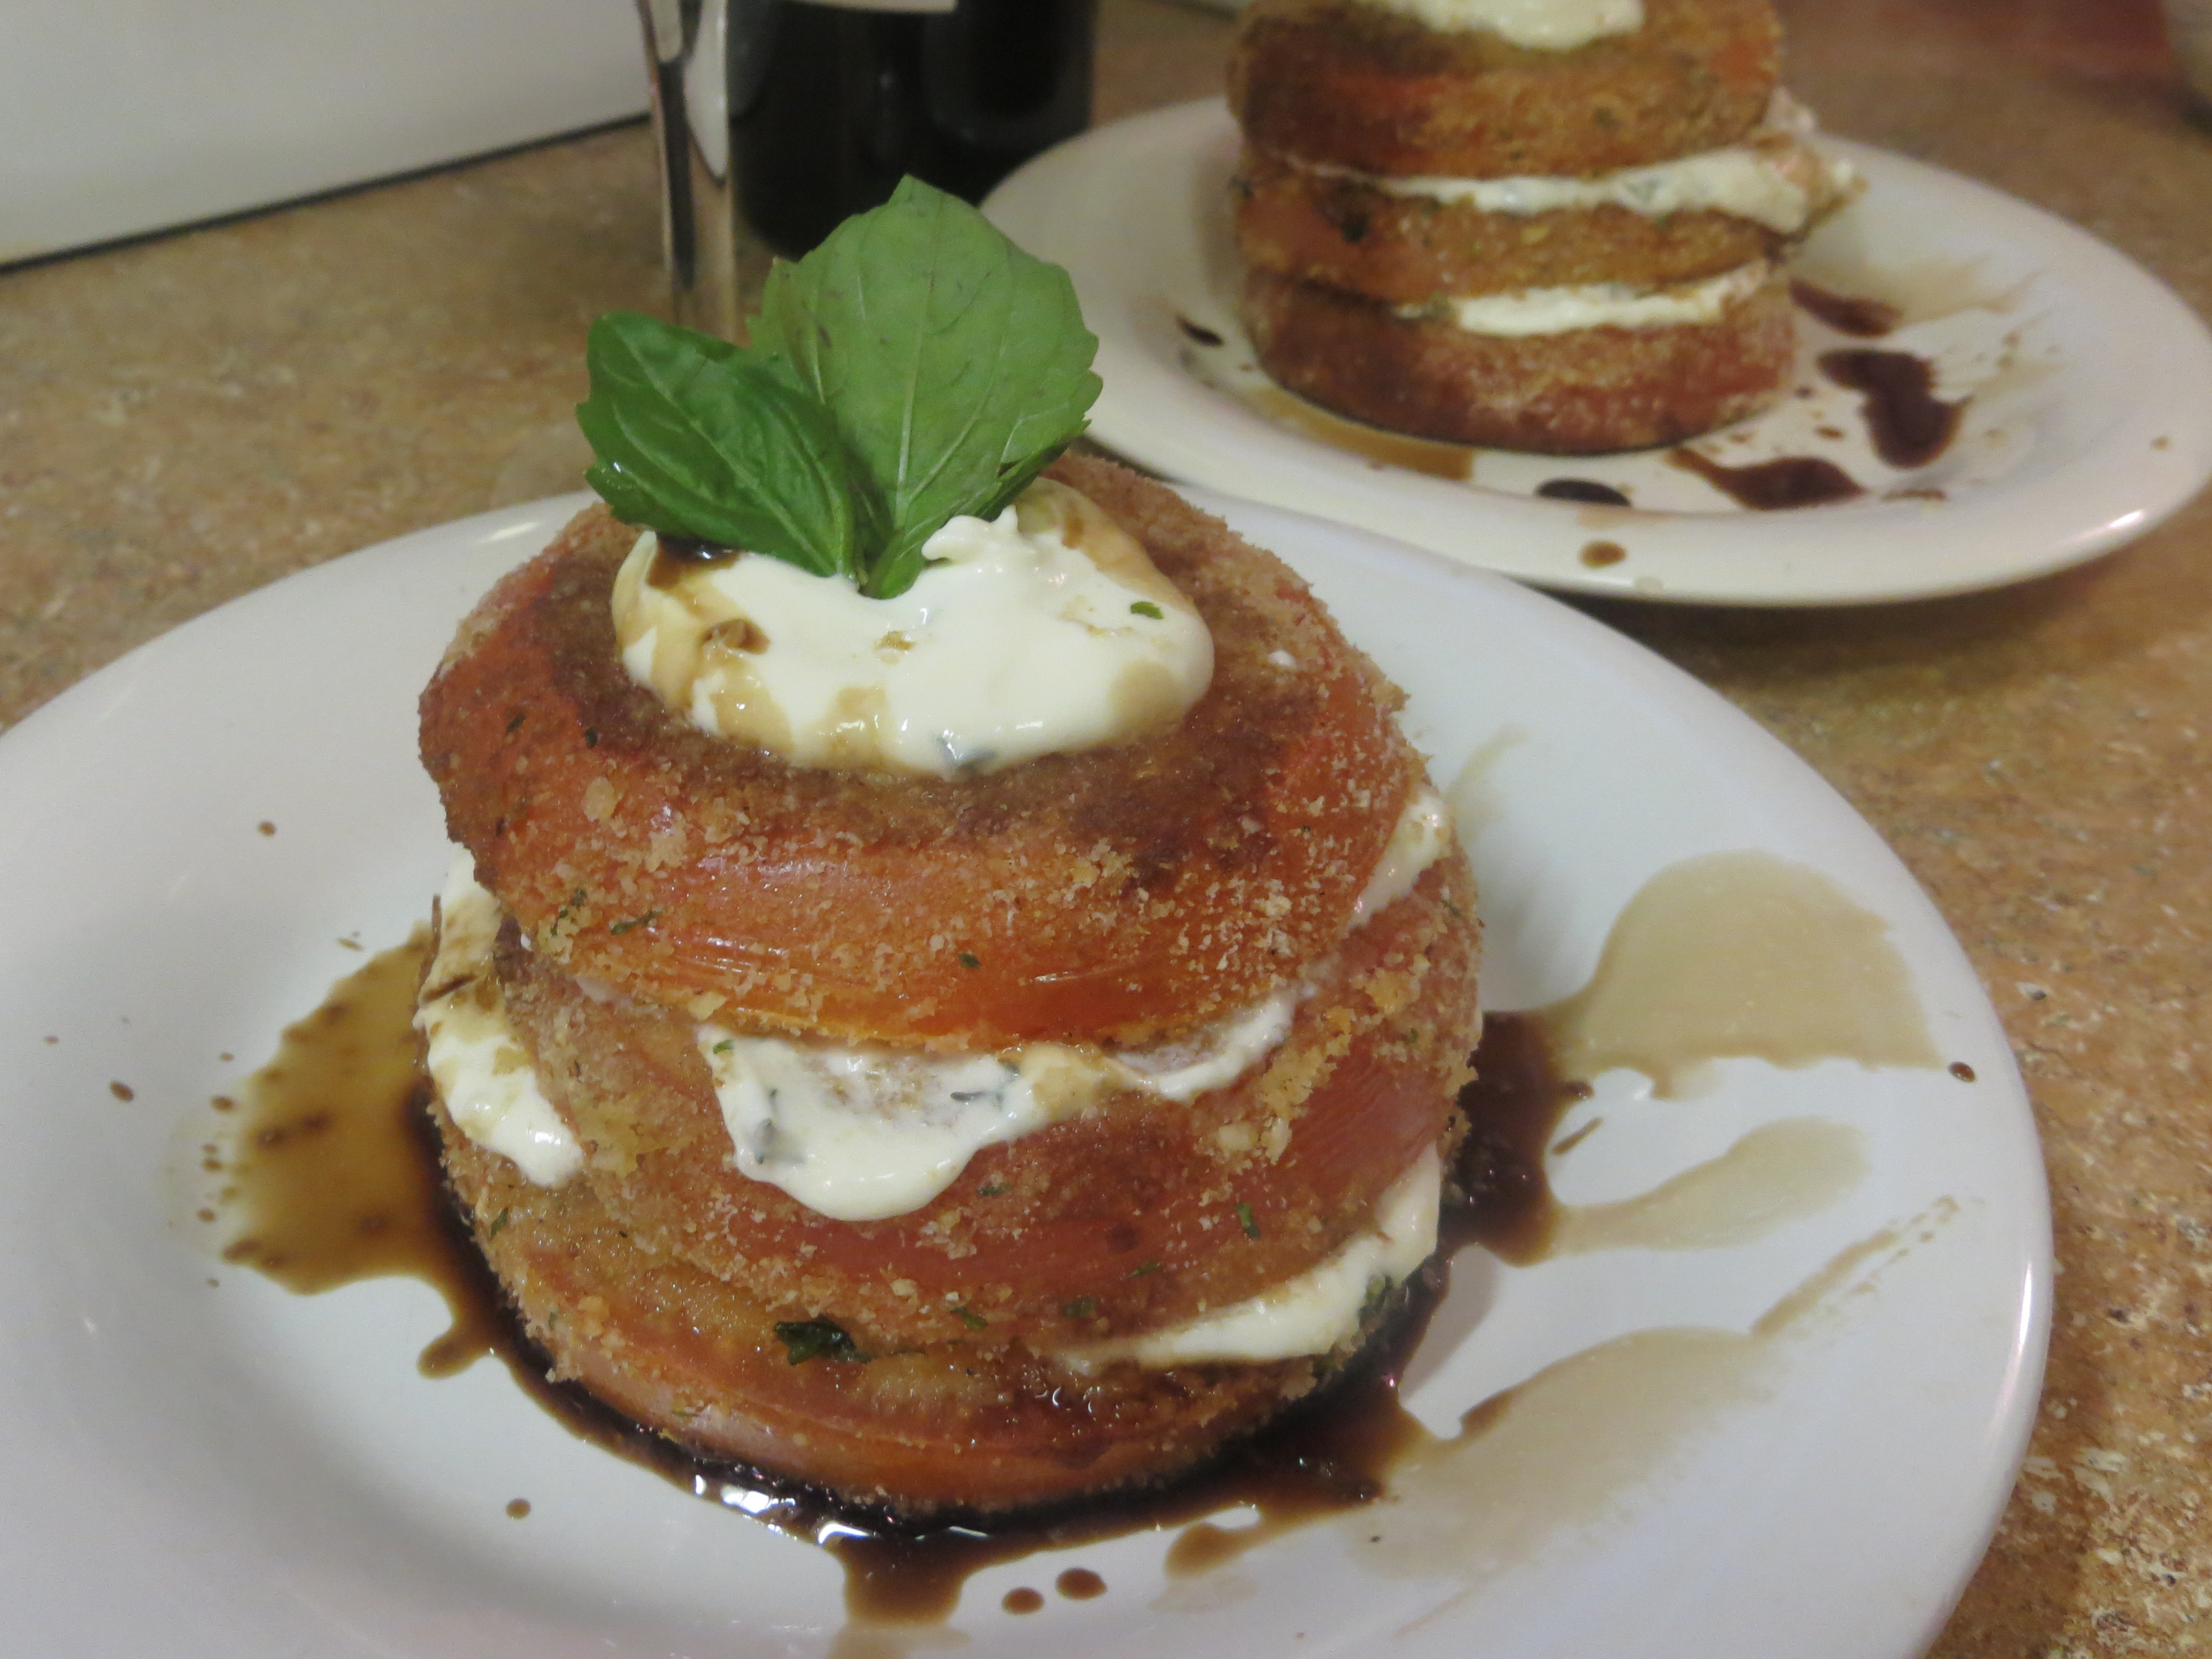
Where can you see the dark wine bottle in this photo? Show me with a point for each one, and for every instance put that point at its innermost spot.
(831, 102)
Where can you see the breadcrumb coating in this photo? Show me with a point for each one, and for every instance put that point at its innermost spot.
(1584, 391)
(1404, 250)
(1116, 895)
(954, 1426)
(1127, 1211)
(1335, 81)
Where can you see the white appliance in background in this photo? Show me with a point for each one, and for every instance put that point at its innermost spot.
(124, 115)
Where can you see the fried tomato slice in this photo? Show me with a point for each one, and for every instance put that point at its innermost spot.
(1120, 893)
(1338, 82)
(1579, 393)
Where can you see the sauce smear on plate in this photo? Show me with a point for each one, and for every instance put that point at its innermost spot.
(332, 1177)
(1775, 486)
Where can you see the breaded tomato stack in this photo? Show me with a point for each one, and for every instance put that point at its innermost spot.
(964, 1047)
(1553, 225)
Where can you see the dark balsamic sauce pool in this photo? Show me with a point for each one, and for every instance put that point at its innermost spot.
(675, 557)
(1910, 425)
(1861, 318)
(345, 1091)
(1789, 481)
(1582, 489)
(1513, 1108)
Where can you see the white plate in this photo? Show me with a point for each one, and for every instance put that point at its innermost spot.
(2089, 418)
(236, 1472)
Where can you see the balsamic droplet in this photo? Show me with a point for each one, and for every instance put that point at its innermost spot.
(1582, 489)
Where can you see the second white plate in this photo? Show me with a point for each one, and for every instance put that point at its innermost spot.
(2088, 387)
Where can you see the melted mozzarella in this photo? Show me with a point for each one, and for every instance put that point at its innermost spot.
(1543, 25)
(1423, 831)
(1773, 178)
(859, 1133)
(1533, 311)
(1217, 1056)
(483, 1075)
(1310, 1313)
(1043, 631)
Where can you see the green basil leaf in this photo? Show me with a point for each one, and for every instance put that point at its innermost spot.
(955, 365)
(696, 437)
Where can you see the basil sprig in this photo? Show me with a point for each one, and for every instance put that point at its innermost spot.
(915, 366)
(693, 439)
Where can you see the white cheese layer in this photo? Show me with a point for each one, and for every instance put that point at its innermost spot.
(859, 1133)
(483, 1075)
(1215, 1057)
(1045, 630)
(1543, 25)
(1534, 311)
(1774, 178)
(1423, 830)
(1310, 1313)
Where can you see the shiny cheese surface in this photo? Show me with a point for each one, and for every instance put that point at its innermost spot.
(1534, 311)
(861, 1133)
(1773, 179)
(484, 1074)
(1542, 25)
(1422, 833)
(1045, 630)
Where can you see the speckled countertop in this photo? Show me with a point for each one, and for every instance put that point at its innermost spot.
(190, 417)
